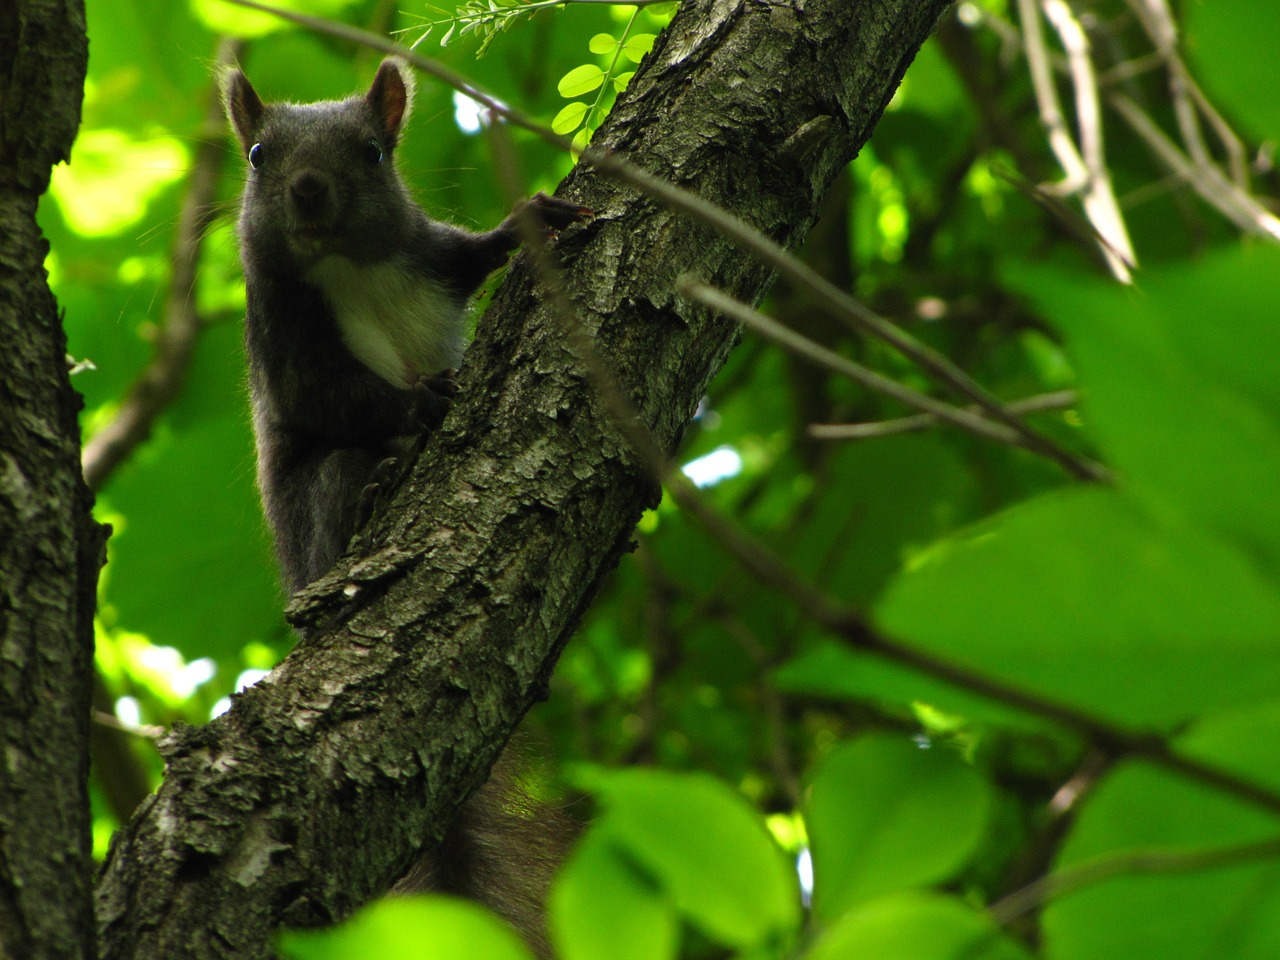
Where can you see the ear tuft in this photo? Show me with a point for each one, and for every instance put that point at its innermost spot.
(243, 106)
(391, 97)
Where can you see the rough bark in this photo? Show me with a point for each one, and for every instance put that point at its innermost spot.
(426, 645)
(50, 548)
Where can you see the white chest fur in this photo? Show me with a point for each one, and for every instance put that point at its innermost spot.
(398, 324)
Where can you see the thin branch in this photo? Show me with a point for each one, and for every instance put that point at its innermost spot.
(1238, 207)
(1072, 879)
(158, 385)
(1051, 118)
(1157, 19)
(802, 346)
(1057, 400)
(1099, 199)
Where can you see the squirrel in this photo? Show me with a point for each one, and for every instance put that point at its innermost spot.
(355, 304)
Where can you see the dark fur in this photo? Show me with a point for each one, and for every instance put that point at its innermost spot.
(321, 203)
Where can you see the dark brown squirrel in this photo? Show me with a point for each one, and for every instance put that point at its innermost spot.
(354, 323)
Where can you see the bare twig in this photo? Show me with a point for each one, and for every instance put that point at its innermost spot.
(1098, 197)
(1219, 192)
(802, 346)
(1157, 20)
(1058, 400)
(1075, 173)
(160, 382)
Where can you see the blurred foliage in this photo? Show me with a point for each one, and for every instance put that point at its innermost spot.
(1152, 604)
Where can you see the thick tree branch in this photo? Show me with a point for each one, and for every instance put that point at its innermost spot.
(426, 645)
(50, 548)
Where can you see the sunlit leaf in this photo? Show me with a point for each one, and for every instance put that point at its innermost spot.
(637, 45)
(1229, 910)
(601, 906)
(570, 117)
(602, 43)
(885, 815)
(580, 80)
(706, 849)
(410, 928)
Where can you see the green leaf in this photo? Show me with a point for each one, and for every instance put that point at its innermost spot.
(637, 45)
(885, 815)
(706, 849)
(917, 926)
(621, 80)
(569, 118)
(580, 80)
(1181, 389)
(1233, 48)
(1081, 598)
(410, 928)
(1230, 910)
(602, 43)
(602, 907)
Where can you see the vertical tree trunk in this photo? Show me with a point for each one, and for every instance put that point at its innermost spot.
(50, 548)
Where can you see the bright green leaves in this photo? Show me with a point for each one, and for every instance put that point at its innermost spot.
(699, 844)
(569, 118)
(576, 83)
(1083, 599)
(222, 17)
(1151, 604)
(604, 82)
(410, 928)
(916, 926)
(1156, 602)
(886, 815)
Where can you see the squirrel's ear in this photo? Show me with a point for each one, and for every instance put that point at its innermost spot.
(241, 102)
(391, 97)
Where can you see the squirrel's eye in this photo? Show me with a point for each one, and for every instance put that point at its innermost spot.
(373, 151)
(255, 156)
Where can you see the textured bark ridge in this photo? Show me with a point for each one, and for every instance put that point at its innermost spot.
(426, 645)
(50, 548)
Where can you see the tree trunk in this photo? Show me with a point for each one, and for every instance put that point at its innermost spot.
(425, 646)
(50, 548)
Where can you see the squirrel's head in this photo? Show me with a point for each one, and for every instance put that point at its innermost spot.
(321, 176)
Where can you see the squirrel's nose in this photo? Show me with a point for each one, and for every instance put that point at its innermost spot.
(311, 195)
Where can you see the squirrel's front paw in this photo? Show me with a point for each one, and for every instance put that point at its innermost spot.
(556, 213)
(432, 396)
